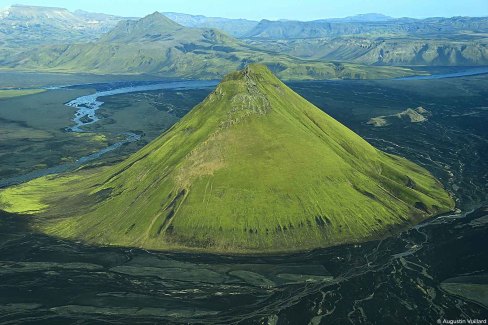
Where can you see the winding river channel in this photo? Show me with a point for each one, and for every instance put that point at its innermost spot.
(88, 105)
(86, 114)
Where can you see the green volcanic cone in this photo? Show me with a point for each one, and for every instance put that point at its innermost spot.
(253, 168)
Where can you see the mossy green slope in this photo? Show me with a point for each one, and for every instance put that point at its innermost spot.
(254, 168)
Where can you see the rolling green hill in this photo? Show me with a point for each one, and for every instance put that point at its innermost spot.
(254, 168)
(156, 45)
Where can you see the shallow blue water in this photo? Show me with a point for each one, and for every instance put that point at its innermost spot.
(463, 73)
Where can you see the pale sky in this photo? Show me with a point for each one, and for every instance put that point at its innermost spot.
(273, 9)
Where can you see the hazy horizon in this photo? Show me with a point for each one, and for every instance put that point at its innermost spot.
(275, 10)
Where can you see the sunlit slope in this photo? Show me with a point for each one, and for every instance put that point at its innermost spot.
(253, 168)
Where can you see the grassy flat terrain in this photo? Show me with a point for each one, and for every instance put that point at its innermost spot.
(253, 168)
(7, 93)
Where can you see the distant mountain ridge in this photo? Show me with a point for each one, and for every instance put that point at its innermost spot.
(234, 27)
(392, 42)
(55, 39)
(22, 25)
(267, 29)
(150, 27)
(391, 51)
(41, 25)
(368, 17)
(156, 45)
